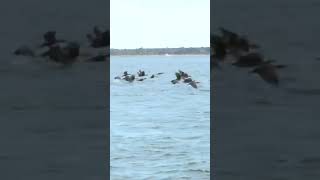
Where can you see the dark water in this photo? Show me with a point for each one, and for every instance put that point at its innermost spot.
(160, 130)
(265, 132)
(53, 118)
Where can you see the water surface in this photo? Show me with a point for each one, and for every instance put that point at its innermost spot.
(160, 130)
(266, 132)
(53, 118)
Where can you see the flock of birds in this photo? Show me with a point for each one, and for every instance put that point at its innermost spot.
(185, 78)
(141, 76)
(226, 46)
(67, 52)
(230, 46)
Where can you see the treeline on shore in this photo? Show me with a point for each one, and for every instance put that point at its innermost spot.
(161, 51)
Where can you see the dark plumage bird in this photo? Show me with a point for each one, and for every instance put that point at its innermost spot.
(50, 39)
(178, 76)
(125, 74)
(268, 72)
(219, 49)
(99, 39)
(142, 79)
(24, 51)
(187, 80)
(65, 55)
(193, 84)
(174, 81)
(72, 49)
(235, 42)
(230, 43)
(129, 78)
(183, 75)
(228, 36)
(141, 73)
(250, 60)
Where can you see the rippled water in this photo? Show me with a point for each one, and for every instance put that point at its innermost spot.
(53, 121)
(160, 130)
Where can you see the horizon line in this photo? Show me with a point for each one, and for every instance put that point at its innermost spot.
(158, 48)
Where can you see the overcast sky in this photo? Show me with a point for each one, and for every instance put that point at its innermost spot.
(159, 23)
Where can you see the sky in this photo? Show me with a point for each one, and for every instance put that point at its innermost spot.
(159, 23)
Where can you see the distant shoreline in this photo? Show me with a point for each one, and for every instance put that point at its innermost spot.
(161, 51)
(162, 55)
